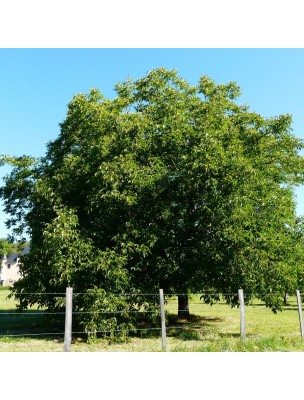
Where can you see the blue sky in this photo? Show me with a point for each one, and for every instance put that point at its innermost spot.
(37, 84)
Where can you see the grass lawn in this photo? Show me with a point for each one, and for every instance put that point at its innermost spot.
(213, 328)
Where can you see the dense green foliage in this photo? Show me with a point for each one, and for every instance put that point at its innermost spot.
(168, 185)
(6, 247)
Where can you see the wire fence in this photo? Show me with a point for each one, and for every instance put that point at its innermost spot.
(197, 321)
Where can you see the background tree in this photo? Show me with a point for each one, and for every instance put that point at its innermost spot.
(8, 248)
(5, 247)
(168, 185)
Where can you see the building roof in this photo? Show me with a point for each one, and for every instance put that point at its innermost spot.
(26, 250)
(12, 258)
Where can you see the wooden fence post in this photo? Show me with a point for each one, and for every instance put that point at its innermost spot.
(68, 319)
(242, 313)
(300, 313)
(163, 320)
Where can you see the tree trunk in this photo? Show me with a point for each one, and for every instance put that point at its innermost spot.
(183, 306)
(285, 298)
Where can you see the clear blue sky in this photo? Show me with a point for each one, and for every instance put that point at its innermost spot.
(37, 84)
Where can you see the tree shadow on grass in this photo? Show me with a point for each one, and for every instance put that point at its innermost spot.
(229, 335)
(30, 323)
(290, 308)
(43, 325)
(195, 327)
(176, 326)
(192, 319)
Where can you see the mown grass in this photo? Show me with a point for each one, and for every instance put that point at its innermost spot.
(213, 328)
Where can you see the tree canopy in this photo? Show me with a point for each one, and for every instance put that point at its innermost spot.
(167, 185)
(7, 248)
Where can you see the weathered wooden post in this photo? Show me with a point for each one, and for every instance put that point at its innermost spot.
(242, 313)
(68, 319)
(163, 320)
(300, 313)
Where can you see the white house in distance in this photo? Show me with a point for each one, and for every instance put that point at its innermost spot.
(9, 272)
